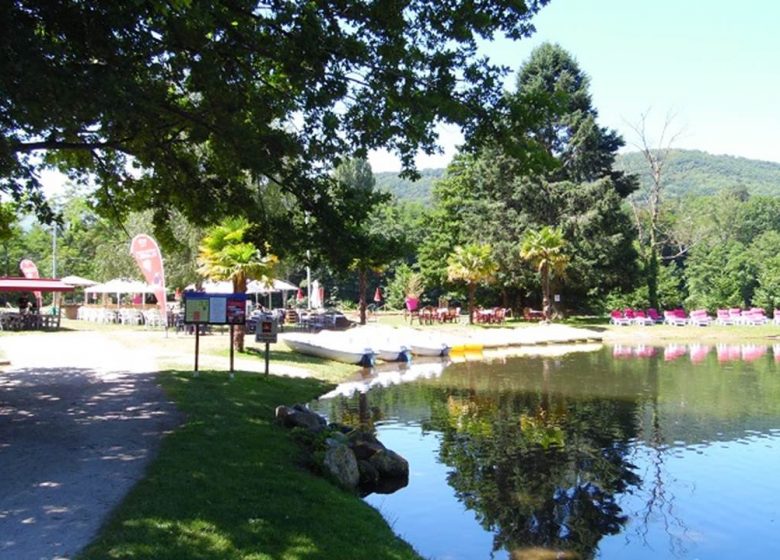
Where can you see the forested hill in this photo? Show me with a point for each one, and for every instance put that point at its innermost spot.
(698, 173)
(405, 190)
(687, 172)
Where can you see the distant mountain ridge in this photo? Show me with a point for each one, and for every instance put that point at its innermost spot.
(693, 172)
(687, 172)
(406, 190)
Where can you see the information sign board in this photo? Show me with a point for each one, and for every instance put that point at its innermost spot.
(235, 311)
(215, 309)
(267, 329)
(196, 309)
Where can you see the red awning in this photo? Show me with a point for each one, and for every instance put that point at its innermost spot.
(13, 284)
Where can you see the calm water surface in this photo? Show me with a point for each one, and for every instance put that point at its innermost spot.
(622, 452)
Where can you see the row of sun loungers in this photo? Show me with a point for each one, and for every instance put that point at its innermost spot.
(698, 317)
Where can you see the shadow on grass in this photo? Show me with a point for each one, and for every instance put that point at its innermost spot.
(228, 485)
(285, 356)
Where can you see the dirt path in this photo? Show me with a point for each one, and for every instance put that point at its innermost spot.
(80, 418)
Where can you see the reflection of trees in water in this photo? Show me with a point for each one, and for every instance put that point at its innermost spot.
(658, 505)
(539, 469)
(544, 463)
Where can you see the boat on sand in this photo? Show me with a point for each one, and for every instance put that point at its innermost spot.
(340, 350)
(387, 348)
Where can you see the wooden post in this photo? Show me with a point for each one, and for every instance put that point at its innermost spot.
(197, 344)
(231, 350)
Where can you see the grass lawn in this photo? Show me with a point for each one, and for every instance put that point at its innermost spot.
(229, 484)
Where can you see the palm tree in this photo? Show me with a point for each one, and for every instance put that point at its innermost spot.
(225, 255)
(472, 264)
(545, 250)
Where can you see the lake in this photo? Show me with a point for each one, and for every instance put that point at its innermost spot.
(616, 452)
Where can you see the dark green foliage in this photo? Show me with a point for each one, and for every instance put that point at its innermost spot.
(766, 258)
(453, 196)
(551, 168)
(719, 275)
(187, 105)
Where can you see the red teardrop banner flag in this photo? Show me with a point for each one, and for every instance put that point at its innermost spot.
(147, 254)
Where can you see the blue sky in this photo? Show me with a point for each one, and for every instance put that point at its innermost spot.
(713, 64)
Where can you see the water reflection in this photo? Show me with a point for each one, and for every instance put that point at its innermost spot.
(585, 453)
(698, 353)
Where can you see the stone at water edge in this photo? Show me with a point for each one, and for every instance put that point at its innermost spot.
(369, 476)
(300, 418)
(342, 464)
(390, 464)
(366, 449)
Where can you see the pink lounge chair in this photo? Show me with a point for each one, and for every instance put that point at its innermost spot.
(735, 313)
(724, 317)
(754, 316)
(652, 312)
(641, 319)
(699, 318)
(616, 317)
(675, 317)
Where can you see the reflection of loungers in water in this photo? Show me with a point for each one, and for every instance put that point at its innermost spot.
(674, 351)
(728, 352)
(751, 352)
(620, 351)
(698, 352)
(745, 352)
(776, 347)
(643, 351)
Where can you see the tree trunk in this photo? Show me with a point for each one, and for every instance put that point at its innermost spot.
(652, 278)
(239, 287)
(472, 293)
(546, 306)
(362, 296)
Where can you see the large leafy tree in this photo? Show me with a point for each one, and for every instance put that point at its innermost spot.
(553, 167)
(545, 249)
(453, 201)
(579, 192)
(186, 105)
(474, 265)
(766, 262)
(719, 275)
(226, 255)
(370, 240)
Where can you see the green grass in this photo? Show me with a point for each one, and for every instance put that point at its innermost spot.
(327, 370)
(228, 484)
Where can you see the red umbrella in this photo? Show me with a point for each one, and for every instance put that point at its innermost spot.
(378, 295)
(300, 295)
